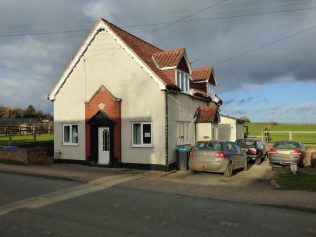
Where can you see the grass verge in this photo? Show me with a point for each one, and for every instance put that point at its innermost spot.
(298, 181)
(27, 138)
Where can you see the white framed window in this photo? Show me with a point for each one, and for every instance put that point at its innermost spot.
(210, 90)
(70, 134)
(183, 81)
(141, 134)
(183, 129)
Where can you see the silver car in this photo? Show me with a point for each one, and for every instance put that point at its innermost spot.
(287, 153)
(217, 156)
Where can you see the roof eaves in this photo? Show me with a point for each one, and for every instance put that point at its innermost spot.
(162, 84)
(187, 61)
(75, 60)
(163, 68)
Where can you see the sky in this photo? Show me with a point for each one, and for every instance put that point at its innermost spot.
(263, 51)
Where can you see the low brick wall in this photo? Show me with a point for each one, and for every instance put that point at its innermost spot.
(31, 156)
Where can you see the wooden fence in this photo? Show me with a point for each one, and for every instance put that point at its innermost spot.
(306, 137)
(25, 130)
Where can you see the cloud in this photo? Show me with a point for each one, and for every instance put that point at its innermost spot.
(229, 101)
(106, 9)
(36, 62)
(237, 111)
(245, 101)
(297, 108)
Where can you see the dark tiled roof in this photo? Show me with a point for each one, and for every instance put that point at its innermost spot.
(155, 58)
(169, 58)
(203, 74)
(208, 113)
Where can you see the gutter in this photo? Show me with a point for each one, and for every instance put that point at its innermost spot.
(166, 132)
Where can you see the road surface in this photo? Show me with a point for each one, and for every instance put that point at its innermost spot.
(34, 206)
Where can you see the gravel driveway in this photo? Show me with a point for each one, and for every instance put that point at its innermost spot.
(255, 174)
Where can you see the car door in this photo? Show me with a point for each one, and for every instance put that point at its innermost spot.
(231, 153)
(239, 156)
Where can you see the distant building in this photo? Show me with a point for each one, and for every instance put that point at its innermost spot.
(18, 121)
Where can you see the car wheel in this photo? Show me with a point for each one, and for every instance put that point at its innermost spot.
(300, 164)
(272, 165)
(192, 171)
(246, 166)
(264, 157)
(258, 161)
(229, 170)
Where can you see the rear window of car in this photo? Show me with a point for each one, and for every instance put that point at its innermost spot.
(287, 145)
(246, 143)
(212, 146)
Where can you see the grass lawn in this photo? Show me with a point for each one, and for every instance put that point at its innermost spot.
(27, 138)
(298, 181)
(309, 139)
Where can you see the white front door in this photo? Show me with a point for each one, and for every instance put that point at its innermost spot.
(104, 145)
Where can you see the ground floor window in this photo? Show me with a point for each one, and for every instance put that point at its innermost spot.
(70, 134)
(141, 134)
(183, 133)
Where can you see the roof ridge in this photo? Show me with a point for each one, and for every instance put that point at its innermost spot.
(171, 50)
(134, 36)
(202, 67)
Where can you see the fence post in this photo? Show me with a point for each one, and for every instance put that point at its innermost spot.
(290, 136)
(34, 135)
(10, 137)
(262, 137)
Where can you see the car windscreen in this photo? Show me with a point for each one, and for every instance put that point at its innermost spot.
(286, 145)
(212, 146)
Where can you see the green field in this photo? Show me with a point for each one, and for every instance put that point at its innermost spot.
(27, 138)
(255, 130)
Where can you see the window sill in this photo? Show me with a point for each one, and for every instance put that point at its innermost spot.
(70, 144)
(183, 143)
(142, 146)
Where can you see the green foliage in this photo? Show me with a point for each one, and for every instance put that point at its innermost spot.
(10, 111)
(245, 118)
(30, 112)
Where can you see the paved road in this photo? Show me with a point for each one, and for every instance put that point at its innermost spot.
(15, 187)
(101, 209)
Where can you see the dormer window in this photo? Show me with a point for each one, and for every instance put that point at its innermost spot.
(183, 81)
(210, 90)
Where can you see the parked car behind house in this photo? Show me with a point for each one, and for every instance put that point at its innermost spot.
(254, 149)
(287, 153)
(217, 156)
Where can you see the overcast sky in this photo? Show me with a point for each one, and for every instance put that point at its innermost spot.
(263, 51)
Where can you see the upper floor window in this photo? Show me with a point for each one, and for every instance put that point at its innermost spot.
(210, 90)
(183, 81)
